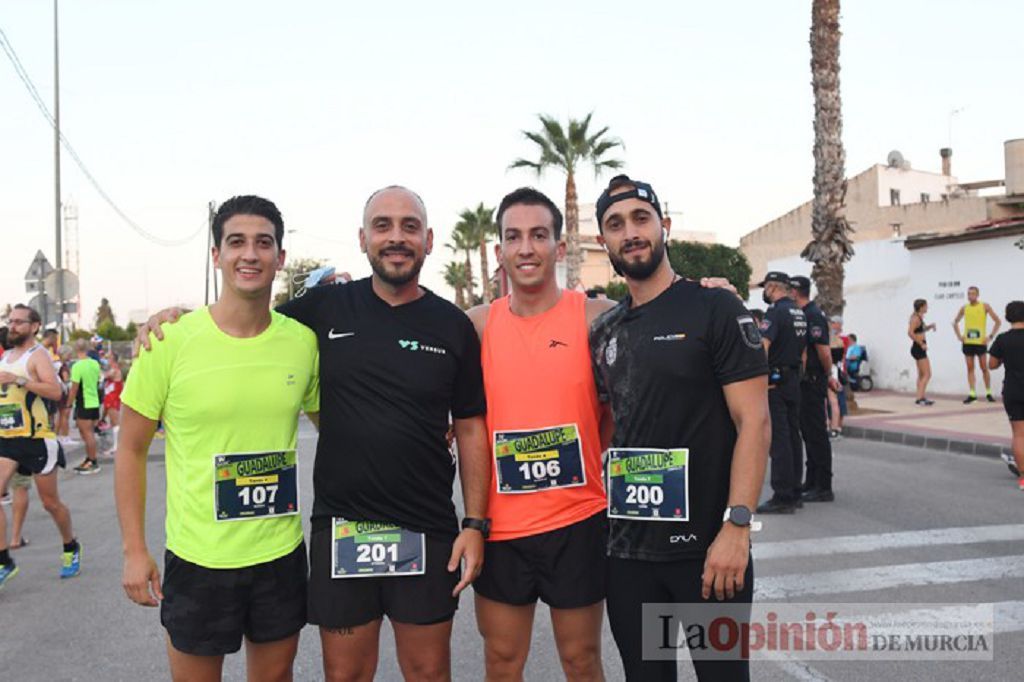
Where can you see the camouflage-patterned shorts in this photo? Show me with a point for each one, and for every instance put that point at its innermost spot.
(207, 610)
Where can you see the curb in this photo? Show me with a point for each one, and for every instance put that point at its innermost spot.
(958, 447)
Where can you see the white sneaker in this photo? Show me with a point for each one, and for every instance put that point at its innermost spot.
(1011, 464)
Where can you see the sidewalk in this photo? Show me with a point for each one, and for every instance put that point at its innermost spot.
(980, 428)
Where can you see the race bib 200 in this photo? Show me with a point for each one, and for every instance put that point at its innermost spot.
(648, 484)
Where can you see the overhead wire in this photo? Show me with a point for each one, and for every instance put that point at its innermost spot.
(26, 80)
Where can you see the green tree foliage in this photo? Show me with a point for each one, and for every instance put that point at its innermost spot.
(695, 260)
(479, 224)
(616, 290)
(104, 313)
(458, 277)
(286, 286)
(110, 331)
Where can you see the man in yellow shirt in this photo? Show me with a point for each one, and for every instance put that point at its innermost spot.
(974, 340)
(228, 383)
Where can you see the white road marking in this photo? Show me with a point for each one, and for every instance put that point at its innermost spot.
(871, 542)
(887, 577)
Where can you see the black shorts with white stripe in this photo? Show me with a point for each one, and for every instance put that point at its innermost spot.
(34, 455)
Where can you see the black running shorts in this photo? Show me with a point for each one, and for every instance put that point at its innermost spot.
(974, 349)
(565, 567)
(1014, 409)
(90, 413)
(33, 455)
(917, 352)
(347, 602)
(207, 610)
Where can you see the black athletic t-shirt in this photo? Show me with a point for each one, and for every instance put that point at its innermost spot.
(817, 335)
(662, 366)
(1009, 348)
(388, 378)
(786, 327)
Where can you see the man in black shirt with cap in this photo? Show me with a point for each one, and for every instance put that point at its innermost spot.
(784, 332)
(813, 394)
(685, 374)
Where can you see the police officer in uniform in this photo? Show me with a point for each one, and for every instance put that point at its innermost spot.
(813, 394)
(784, 334)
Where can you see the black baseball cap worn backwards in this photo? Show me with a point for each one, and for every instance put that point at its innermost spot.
(641, 191)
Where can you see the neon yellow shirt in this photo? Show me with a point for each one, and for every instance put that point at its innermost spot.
(86, 373)
(217, 394)
(975, 324)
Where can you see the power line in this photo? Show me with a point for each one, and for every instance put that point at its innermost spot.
(22, 74)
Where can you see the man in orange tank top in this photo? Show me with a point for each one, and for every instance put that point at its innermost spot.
(547, 501)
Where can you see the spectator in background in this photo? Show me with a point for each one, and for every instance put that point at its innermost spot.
(63, 425)
(113, 384)
(856, 354)
(837, 398)
(1008, 350)
(916, 329)
(85, 379)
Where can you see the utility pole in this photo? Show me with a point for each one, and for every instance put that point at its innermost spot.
(59, 251)
(208, 256)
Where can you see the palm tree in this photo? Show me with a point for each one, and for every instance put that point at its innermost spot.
(479, 222)
(463, 241)
(458, 277)
(830, 244)
(566, 151)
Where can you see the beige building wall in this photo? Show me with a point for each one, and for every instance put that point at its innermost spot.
(869, 210)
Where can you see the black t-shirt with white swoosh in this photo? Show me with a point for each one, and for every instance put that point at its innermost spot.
(389, 376)
(662, 366)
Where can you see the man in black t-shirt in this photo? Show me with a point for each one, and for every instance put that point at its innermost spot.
(813, 394)
(1008, 351)
(784, 329)
(684, 371)
(395, 361)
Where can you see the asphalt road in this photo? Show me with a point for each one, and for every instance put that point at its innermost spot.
(892, 536)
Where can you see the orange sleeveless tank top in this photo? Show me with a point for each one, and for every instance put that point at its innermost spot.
(543, 419)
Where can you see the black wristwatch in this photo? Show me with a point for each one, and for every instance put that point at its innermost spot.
(482, 525)
(738, 515)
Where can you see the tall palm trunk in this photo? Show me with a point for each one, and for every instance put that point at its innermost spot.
(460, 296)
(830, 245)
(573, 256)
(485, 274)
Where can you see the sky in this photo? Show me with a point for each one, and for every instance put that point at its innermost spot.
(315, 104)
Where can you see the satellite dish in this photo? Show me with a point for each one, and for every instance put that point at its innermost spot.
(70, 284)
(896, 160)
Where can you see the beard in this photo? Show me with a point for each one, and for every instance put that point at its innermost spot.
(395, 277)
(15, 339)
(642, 269)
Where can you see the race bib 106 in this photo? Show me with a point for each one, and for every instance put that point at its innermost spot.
(371, 549)
(648, 484)
(255, 485)
(539, 459)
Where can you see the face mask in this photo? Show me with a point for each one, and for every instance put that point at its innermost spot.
(765, 297)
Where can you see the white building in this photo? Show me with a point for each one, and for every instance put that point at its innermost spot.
(885, 276)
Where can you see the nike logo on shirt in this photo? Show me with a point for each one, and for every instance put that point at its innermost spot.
(332, 335)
